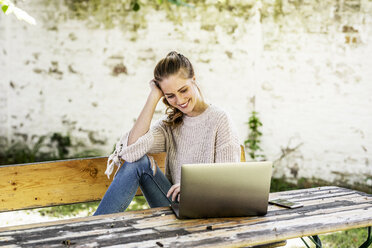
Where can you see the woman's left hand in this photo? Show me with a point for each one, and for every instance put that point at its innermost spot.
(174, 191)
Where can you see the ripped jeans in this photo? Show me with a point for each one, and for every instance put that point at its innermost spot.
(154, 186)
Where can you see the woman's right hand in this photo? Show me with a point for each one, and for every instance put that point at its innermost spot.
(174, 191)
(155, 89)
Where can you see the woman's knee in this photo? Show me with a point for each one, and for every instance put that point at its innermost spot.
(139, 165)
(132, 169)
(140, 162)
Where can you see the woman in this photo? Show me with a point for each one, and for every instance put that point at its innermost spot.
(191, 132)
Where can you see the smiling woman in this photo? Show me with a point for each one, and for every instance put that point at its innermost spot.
(192, 131)
(174, 75)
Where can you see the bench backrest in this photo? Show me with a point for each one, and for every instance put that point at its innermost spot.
(25, 186)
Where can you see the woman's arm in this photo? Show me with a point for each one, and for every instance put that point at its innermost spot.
(142, 124)
(133, 145)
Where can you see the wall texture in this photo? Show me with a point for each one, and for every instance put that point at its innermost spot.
(304, 67)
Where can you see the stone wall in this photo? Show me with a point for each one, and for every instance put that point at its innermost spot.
(303, 66)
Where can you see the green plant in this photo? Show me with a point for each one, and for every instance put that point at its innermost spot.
(138, 203)
(135, 4)
(49, 147)
(62, 144)
(345, 239)
(69, 210)
(18, 152)
(253, 141)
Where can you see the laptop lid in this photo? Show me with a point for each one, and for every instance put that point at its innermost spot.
(224, 189)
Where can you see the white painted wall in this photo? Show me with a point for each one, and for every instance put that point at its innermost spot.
(312, 83)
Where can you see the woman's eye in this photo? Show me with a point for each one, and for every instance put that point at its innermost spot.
(171, 96)
(183, 91)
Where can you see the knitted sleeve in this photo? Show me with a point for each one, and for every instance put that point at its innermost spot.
(227, 144)
(152, 141)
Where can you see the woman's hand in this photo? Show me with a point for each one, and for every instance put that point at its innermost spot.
(174, 191)
(155, 89)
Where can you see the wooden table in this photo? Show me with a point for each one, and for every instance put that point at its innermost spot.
(326, 209)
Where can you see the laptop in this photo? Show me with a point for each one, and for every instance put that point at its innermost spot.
(224, 190)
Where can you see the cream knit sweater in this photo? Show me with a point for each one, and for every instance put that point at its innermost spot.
(207, 138)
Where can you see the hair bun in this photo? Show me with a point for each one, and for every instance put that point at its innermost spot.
(174, 54)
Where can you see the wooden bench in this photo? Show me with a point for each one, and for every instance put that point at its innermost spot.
(34, 185)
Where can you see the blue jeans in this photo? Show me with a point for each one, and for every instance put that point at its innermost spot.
(125, 184)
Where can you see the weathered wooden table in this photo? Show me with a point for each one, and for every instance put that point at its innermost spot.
(326, 209)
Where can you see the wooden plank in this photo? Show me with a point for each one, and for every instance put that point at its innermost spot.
(25, 186)
(313, 206)
(145, 228)
(316, 207)
(34, 185)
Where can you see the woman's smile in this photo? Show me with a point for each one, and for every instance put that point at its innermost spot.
(183, 106)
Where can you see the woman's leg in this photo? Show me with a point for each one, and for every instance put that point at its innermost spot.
(155, 188)
(124, 187)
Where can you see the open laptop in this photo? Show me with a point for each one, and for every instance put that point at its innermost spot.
(224, 190)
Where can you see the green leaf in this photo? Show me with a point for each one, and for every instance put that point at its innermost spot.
(174, 2)
(136, 6)
(4, 8)
(180, 3)
(159, 1)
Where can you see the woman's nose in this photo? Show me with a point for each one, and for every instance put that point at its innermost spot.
(179, 100)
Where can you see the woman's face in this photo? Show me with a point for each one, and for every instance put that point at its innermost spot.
(181, 93)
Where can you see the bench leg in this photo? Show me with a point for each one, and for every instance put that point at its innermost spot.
(318, 244)
(369, 239)
(315, 239)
